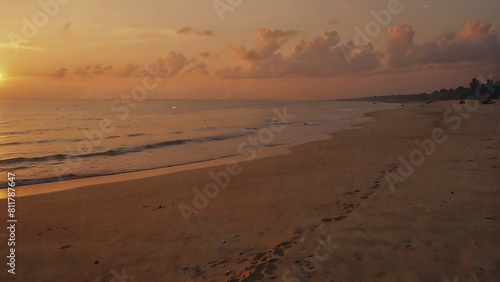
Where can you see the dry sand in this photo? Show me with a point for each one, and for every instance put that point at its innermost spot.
(277, 219)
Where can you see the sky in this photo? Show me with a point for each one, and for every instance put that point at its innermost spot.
(242, 49)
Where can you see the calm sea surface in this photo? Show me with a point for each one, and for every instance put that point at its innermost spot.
(44, 141)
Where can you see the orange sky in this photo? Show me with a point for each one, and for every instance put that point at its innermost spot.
(249, 50)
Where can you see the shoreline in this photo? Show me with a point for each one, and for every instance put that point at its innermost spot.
(56, 186)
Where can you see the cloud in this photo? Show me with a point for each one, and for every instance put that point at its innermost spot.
(474, 43)
(205, 54)
(83, 70)
(99, 70)
(93, 70)
(231, 72)
(60, 72)
(266, 42)
(199, 67)
(401, 46)
(128, 70)
(189, 30)
(475, 29)
(263, 59)
(313, 57)
(325, 55)
(169, 65)
(185, 30)
(204, 33)
(174, 62)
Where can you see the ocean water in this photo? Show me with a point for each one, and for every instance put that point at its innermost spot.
(44, 141)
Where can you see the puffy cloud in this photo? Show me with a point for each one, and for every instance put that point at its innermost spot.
(199, 67)
(169, 65)
(175, 62)
(318, 56)
(401, 47)
(325, 55)
(60, 72)
(99, 70)
(474, 43)
(172, 63)
(401, 37)
(128, 70)
(83, 70)
(266, 42)
(475, 28)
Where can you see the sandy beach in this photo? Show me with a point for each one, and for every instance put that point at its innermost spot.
(319, 211)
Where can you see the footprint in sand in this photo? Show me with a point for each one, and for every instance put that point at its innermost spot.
(342, 217)
(262, 264)
(313, 228)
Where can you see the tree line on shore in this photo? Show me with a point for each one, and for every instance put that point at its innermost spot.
(487, 91)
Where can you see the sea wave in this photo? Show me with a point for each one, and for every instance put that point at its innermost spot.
(47, 141)
(122, 151)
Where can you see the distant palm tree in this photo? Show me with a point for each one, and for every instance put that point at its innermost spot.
(489, 92)
(474, 83)
(493, 88)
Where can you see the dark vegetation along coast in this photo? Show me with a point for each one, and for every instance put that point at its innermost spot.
(486, 92)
